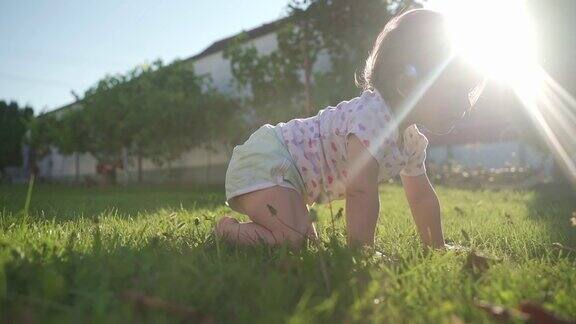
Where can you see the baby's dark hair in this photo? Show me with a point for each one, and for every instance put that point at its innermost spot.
(417, 38)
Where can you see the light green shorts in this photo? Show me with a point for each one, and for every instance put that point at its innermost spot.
(263, 161)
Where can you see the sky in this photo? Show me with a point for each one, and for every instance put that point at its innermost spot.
(50, 48)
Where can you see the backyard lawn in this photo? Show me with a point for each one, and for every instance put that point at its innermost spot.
(147, 254)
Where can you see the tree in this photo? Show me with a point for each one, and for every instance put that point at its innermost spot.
(153, 112)
(106, 120)
(268, 84)
(345, 30)
(188, 112)
(169, 112)
(223, 123)
(71, 136)
(13, 123)
(41, 136)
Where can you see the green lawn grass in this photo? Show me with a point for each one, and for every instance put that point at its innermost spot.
(89, 255)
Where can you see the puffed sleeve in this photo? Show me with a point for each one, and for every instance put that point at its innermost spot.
(415, 144)
(370, 120)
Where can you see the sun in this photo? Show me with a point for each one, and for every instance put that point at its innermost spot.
(498, 38)
(495, 36)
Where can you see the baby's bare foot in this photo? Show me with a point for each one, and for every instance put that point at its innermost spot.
(225, 224)
(227, 221)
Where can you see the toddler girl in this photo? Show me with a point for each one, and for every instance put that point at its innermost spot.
(412, 77)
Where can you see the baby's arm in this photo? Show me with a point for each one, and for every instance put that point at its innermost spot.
(425, 209)
(362, 201)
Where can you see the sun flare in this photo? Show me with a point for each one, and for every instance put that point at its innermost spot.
(498, 38)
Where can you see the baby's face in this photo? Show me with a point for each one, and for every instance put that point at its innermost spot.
(447, 100)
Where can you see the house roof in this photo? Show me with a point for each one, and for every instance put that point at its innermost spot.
(220, 45)
(61, 108)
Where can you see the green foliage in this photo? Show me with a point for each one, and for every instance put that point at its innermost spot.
(282, 84)
(43, 133)
(268, 83)
(165, 108)
(77, 260)
(72, 134)
(348, 30)
(106, 119)
(222, 121)
(154, 111)
(13, 121)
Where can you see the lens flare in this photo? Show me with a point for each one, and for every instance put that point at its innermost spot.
(498, 37)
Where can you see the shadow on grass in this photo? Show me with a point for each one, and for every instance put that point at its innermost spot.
(552, 206)
(63, 203)
(217, 282)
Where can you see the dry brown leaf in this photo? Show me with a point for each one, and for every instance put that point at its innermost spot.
(478, 262)
(538, 315)
(144, 301)
(497, 312)
(459, 210)
(526, 311)
(563, 247)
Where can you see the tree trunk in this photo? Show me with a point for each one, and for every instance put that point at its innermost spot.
(307, 73)
(139, 167)
(209, 156)
(76, 167)
(112, 176)
(170, 174)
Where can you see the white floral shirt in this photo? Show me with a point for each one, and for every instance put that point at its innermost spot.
(318, 145)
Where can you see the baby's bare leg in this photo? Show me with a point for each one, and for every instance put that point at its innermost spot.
(287, 220)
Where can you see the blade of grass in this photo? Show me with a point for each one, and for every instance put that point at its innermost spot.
(28, 199)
